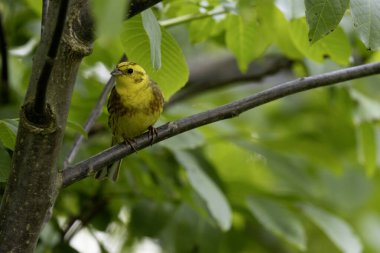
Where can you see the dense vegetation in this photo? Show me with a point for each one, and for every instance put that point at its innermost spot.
(296, 174)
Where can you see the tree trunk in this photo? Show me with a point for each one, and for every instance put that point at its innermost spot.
(34, 180)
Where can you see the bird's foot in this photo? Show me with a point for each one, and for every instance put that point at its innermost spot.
(152, 134)
(131, 142)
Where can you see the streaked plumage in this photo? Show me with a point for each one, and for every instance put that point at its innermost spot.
(134, 105)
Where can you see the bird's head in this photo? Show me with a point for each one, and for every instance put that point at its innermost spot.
(129, 75)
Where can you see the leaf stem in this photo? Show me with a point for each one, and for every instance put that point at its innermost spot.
(191, 17)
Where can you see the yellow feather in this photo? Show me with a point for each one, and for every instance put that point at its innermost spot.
(134, 105)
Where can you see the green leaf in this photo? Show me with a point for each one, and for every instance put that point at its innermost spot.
(108, 18)
(186, 140)
(244, 40)
(367, 146)
(366, 113)
(36, 6)
(323, 16)
(366, 109)
(336, 229)
(5, 165)
(215, 200)
(334, 46)
(366, 18)
(187, 231)
(200, 30)
(77, 128)
(8, 131)
(283, 39)
(148, 218)
(278, 220)
(174, 72)
(153, 30)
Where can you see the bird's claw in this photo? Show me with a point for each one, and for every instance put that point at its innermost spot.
(131, 142)
(152, 133)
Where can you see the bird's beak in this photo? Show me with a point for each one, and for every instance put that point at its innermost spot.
(116, 72)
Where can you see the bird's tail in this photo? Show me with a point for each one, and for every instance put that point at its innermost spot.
(112, 171)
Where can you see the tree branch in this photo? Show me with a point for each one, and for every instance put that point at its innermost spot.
(199, 82)
(90, 121)
(137, 6)
(90, 166)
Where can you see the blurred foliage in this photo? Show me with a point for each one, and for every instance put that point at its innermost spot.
(297, 175)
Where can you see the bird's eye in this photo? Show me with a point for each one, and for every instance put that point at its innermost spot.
(129, 71)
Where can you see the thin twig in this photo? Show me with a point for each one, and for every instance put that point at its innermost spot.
(89, 123)
(191, 17)
(88, 211)
(90, 166)
(4, 85)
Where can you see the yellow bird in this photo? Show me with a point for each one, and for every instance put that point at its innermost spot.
(135, 104)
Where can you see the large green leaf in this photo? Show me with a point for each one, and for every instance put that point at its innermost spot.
(240, 39)
(174, 72)
(279, 220)
(245, 40)
(250, 33)
(323, 16)
(215, 200)
(283, 39)
(334, 46)
(200, 30)
(152, 28)
(366, 15)
(336, 229)
(108, 16)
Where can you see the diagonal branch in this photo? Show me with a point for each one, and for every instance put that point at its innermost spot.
(90, 122)
(88, 167)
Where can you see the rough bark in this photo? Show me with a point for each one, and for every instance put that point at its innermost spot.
(34, 180)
